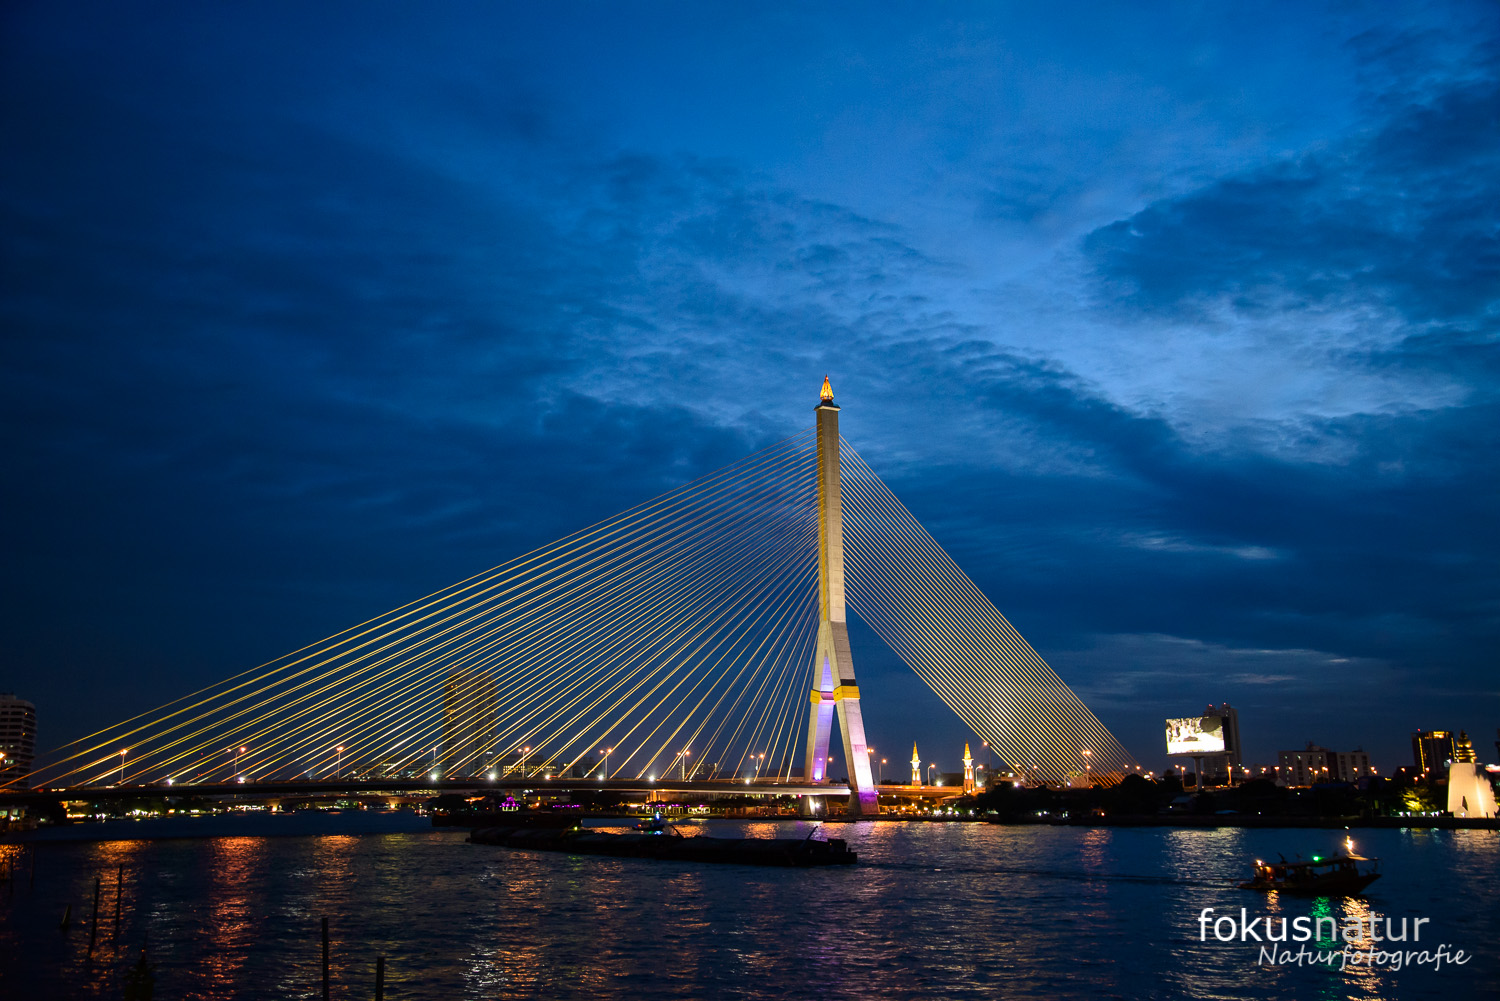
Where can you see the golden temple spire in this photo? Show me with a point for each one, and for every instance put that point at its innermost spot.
(827, 394)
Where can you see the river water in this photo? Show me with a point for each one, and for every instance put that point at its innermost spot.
(230, 908)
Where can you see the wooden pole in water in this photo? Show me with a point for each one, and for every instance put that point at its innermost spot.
(379, 978)
(94, 924)
(119, 886)
(325, 959)
(67, 918)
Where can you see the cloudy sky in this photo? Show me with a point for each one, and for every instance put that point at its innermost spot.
(1175, 324)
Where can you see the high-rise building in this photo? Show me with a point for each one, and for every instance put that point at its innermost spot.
(469, 707)
(17, 740)
(1222, 766)
(1432, 750)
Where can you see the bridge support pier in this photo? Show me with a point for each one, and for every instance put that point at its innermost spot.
(834, 689)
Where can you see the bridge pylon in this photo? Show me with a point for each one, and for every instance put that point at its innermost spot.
(834, 689)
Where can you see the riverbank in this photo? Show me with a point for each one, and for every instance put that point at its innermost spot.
(1258, 821)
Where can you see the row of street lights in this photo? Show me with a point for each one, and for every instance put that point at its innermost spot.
(681, 756)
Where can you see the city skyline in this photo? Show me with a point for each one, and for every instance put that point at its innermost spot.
(1175, 328)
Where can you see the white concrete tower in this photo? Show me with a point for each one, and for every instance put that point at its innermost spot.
(833, 685)
(968, 770)
(916, 765)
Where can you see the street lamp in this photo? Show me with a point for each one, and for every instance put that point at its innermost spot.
(881, 780)
(338, 764)
(123, 751)
(930, 766)
(684, 757)
(607, 752)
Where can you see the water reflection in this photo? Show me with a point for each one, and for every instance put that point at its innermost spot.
(233, 869)
(119, 863)
(932, 911)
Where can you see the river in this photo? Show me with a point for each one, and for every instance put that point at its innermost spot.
(230, 907)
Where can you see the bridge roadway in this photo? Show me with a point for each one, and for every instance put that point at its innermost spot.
(373, 787)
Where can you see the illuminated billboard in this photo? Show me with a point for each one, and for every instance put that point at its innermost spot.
(1196, 735)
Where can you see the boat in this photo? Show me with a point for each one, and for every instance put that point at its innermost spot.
(799, 852)
(656, 825)
(1335, 875)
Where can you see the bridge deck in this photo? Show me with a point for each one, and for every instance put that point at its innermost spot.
(722, 787)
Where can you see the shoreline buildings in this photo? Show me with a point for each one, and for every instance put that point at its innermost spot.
(1313, 765)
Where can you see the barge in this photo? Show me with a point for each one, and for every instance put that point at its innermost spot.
(789, 852)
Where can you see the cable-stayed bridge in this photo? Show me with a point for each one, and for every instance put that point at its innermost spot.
(696, 641)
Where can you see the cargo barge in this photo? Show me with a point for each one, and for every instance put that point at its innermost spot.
(790, 852)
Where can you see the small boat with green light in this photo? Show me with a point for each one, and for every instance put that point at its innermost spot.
(1336, 875)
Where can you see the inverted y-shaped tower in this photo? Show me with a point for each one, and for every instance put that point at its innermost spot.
(833, 685)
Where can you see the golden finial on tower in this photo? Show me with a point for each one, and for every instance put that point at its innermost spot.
(827, 394)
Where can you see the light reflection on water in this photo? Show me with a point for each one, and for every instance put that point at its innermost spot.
(933, 910)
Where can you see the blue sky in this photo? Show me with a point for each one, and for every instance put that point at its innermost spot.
(1174, 324)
